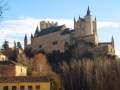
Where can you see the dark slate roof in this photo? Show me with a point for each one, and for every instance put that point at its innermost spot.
(83, 20)
(8, 62)
(23, 79)
(104, 43)
(67, 31)
(50, 30)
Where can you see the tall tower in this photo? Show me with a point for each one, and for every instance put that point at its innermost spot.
(25, 41)
(112, 42)
(88, 12)
(14, 45)
(95, 31)
(37, 31)
(74, 23)
(32, 38)
(88, 23)
(86, 28)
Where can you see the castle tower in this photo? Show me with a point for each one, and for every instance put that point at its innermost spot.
(74, 23)
(112, 42)
(36, 31)
(43, 25)
(14, 45)
(31, 37)
(95, 26)
(25, 41)
(86, 28)
(88, 12)
(88, 23)
(95, 31)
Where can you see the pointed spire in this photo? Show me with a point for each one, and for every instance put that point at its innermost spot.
(79, 18)
(74, 19)
(112, 41)
(95, 19)
(25, 41)
(31, 36)
(112, 38)
(25, 37)
(37, 31)
(14, 45)
(88, 11)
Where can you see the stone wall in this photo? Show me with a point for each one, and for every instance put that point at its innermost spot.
(7, 70)
(50, 42)
(20, 70)
(41, 65)
(45, 24)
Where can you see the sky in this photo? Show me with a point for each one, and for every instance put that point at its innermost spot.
(22, 17)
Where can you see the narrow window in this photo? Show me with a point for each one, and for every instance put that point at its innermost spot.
(38, 87)
(29, 87)
(14, 88)
(21, 69)
(55, 43)
(5, 88)
(40, 46)
(22, 88)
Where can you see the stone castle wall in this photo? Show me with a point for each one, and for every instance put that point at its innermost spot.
(50, 42)
(44, 24)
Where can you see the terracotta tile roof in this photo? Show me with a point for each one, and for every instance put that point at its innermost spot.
(23, 79)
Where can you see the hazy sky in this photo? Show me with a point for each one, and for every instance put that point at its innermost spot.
(24, 15)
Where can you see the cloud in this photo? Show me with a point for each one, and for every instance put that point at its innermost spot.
(108, 24)
(16, 29)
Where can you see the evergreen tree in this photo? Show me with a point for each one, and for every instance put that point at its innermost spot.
(25, 41)
(37, 31)
(13, 55)
(5, 45)
(19, 45)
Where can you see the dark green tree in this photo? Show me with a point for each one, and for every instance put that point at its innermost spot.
(5, 45)
(19, 45)
(13, 55)
(28, 52)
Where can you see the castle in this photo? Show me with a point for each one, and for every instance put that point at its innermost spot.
(52, 37)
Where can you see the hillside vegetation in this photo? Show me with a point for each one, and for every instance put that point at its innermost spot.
(99, 74)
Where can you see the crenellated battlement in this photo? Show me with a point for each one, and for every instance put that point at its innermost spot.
(47, 24)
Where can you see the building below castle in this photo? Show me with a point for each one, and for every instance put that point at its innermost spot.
(25, 83)
(51, 37)
(10, 68)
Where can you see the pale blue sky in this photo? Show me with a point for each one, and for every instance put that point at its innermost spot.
(104, 10)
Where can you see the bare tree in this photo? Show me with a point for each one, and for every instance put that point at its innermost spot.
(3, 7)
(98, 74)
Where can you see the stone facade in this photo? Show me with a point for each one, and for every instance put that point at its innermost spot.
(52, 41)
(51, 37)
(25, 83)
(45, 25)
(9, 68)
(41, 65)
(2, 57)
